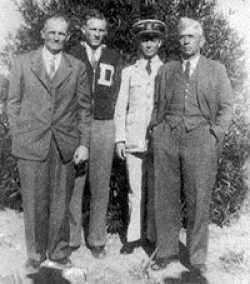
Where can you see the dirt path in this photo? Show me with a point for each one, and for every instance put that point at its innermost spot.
(228, 255)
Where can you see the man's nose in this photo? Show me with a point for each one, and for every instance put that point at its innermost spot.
(56, 36)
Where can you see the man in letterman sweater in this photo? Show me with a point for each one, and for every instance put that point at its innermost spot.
(103, 66)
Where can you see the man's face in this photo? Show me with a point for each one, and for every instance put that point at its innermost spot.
(94, 31)
(149, 45)
(190, 41)
(55, 34)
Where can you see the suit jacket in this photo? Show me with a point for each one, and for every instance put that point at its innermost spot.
(214, 94)
(134, 104)
(39, 109)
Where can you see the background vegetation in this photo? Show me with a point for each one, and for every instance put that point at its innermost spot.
(222, 44)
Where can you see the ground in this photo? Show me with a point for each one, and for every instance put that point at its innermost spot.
(228, 257)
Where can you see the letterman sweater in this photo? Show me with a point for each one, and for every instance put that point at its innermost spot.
(105, 80)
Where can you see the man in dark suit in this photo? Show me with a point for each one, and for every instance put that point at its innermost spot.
(103, 67)
(193, 107)
(49, 112)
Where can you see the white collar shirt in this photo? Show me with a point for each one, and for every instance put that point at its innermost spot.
(155, 62)
(96, 53)
(48, 57)
(193, 63)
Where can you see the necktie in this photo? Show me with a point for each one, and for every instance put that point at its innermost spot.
(187, 69)
(148, 67)
(52, 67)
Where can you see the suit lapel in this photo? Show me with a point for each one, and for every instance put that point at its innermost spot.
(63, 72)
(38, 68)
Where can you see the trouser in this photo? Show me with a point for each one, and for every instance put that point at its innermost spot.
(140, 174)
(76, 210)
(100, 165)
(188, 160)
(46, 187)
(135, 176)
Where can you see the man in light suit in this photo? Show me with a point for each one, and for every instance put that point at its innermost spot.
(49, 118)
(192, 112)
(132, 116)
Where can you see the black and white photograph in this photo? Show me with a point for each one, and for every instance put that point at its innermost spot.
(124, 142)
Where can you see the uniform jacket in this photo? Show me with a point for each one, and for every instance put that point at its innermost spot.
(214, 94)
(105, 80)
(38, 109)
(135, 103)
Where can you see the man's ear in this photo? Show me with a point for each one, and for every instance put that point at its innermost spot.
(160, 43)
(67, 37)
(42, 34)
(202, 41)
(83, 30)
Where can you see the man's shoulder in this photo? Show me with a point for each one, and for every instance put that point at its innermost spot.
(170, 65)
(212, 62)
(73, 60)
(108, 51)
(27, 56)
(75, 48)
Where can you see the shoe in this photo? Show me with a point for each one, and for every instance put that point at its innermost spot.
(98, 252)
(198, 269)
(162, 262)
(33, 263)
(127, 248)
(61, 264)
(74, 247)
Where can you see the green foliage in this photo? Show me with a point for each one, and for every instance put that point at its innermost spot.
(222, 44)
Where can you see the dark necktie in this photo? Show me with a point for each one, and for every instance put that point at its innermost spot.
(187, 69)
(148, 66)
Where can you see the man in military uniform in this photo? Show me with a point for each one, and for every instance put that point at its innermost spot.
(132, 116)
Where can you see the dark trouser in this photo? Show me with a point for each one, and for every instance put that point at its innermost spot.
(46, 187)
(100, 164)
(149, 213)
(185, 159)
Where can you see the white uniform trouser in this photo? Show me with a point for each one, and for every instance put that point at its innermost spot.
(135, 176)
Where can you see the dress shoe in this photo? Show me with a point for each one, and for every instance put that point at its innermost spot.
(127, 248)
(162, 262)
(98, 252)
(74, 247)
(198, 269)
(59, 264)
(33, 263)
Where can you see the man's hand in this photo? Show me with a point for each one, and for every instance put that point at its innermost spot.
(120, 149)
(81, 154)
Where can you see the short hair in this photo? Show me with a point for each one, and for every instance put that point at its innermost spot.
(93, 13)
(186, 22)
(61, 16)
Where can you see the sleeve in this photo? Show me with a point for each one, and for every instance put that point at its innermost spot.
(121, 107)
(84, 101)
(15, 93)
(225, 104)
(117, 78)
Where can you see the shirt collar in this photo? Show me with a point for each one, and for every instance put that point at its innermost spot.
(154, 60)
(47, 54)
(193, 62)
(89, 50)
